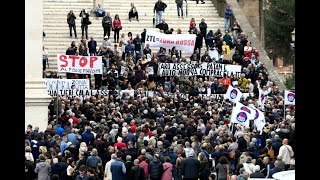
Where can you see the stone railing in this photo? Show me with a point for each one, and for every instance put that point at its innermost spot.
(239, 15)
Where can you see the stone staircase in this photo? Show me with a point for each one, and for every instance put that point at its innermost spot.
(56, 28)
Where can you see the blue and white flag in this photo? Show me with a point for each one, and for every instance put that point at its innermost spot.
(289, 98)
(240, 116)
(262, 98)
(233, 94)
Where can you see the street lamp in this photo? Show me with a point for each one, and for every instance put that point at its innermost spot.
(293, 38)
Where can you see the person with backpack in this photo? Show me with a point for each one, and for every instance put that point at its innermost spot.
(107, 24)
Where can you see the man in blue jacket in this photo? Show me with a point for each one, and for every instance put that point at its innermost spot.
(227, 16)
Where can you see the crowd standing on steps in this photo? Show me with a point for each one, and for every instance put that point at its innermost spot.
(165, 135)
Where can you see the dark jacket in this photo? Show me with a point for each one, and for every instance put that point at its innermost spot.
(137, 173)
(159, 6)
(163, 26)
(155, 169)
(257, 175)
(85, 18)
(92, 45)
(203, 28)
(129, 166)
(273, 171)
(242, 144)
(71, 19)
(190, 168)
(107, 21)
(29, 174)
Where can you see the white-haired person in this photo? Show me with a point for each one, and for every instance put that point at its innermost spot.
(119, 144)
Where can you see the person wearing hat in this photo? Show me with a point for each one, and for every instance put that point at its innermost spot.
(190, 167)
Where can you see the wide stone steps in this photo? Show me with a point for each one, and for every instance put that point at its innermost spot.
(57, 31)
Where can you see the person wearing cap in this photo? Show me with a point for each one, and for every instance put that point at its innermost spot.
(190, 167)
(82, 173)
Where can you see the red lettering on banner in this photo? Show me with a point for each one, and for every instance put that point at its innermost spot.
(73, 59)
(185, 42)
(167, 41)
(83, 61)
(92, 60)
(64, 59)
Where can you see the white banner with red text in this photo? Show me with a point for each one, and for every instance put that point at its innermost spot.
(183, 42)
(79, 64)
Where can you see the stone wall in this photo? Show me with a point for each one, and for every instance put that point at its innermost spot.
(251, 10)
(252, 34)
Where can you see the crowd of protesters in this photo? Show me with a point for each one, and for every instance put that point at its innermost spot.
(165, 136)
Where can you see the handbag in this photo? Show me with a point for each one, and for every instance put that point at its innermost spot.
(89, 22)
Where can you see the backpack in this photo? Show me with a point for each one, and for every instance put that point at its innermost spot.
(270, 152)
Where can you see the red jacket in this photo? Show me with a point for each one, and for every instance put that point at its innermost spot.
(116, 23)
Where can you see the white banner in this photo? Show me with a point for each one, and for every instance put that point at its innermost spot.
(289, 98)
(183, 42)
(131, 92)
(67, 84)
(79, 64)
(203, 69)
(233, 94)
(77, 92)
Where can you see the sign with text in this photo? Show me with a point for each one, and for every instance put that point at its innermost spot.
(67, 84)
(184, 42)
(203, 69)
(77, 92)
(79, 64)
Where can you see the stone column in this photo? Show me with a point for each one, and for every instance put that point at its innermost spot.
(36, 95)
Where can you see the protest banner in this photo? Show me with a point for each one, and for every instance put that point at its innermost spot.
(199, 69)
(67, 84)
(73, 93)
(183, 42)
(131, 92)
(79, 64)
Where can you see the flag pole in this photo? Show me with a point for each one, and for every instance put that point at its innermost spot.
(284, 106)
